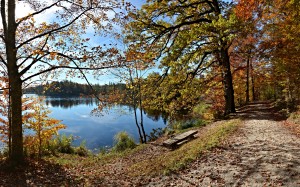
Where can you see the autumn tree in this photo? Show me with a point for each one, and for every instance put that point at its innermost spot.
(282, 43)
(278, 24)
(244, 54)
(42, 125)
(32, 48)
(5, 113)
(188, 35)
(173, 95)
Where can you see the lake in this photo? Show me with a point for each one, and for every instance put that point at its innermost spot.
(98, 130)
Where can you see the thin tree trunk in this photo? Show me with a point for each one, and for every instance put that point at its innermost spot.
(9, 123)
(252, 81)
(137, 124)
(142, 126)
(247, 79)
(39, 133)
(133, 98)
(142, 121)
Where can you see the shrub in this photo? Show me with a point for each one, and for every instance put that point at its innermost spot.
(82, 149)
(62, 144)
(203, 111)
(123, 142)
(185, 124)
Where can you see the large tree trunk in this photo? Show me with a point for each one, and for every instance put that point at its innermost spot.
(15, 83)
(226, 72)
(16, 125)
(227, 82)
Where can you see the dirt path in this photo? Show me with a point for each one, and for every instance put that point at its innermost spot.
(262, 153)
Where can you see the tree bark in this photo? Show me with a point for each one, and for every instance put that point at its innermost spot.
(15, 83)
(137, 124)
(226, 71)
(227, 82)
(247, 80)
(16, 118)
(253, 82)
(141, 112)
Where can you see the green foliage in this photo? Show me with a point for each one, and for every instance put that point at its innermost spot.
(171, 96)
(203, 111)
(82, 150)
(185, 124)
(123, 142)
(103, 151)
(63, 144)
(68, 88)
(286, 107)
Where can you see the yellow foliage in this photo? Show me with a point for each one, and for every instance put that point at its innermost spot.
(43, 126)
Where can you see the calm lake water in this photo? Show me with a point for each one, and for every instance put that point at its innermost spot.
(98, 131)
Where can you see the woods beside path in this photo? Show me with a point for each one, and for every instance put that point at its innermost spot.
(260, 151)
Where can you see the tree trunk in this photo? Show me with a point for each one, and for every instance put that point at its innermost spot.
(247, 80)
(227, 82)
(39, 133)
(226, 72)
(15, 83)
(9, 124)
(141, 112)
(137, 124)
(16, 119)
(142, 126)
(252, 81)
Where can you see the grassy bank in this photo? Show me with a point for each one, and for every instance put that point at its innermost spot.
(145, 160)
(180, 158)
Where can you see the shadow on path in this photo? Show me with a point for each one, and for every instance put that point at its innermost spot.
(35, 173)
(258, 110)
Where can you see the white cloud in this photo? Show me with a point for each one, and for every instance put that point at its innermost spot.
(23, 9)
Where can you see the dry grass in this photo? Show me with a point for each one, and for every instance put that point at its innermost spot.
(181, 157)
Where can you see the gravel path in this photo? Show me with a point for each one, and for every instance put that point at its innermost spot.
(262, 153)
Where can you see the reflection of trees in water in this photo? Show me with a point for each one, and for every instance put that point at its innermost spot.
(70, 102)
(154, 115)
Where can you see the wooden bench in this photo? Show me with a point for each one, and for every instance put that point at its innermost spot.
(180, 139)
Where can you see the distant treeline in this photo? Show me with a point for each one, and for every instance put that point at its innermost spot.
(69, 88)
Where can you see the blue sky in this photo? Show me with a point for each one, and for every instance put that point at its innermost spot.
(107, 77)
(22, 9)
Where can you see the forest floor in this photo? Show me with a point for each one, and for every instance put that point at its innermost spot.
(262, 150)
